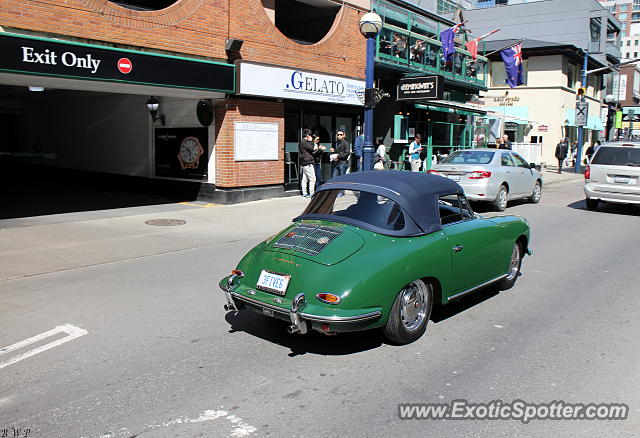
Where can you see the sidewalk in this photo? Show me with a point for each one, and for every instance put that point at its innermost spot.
(44, 244)
(552, 177)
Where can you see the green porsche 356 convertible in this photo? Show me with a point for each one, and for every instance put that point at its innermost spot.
(376, 249)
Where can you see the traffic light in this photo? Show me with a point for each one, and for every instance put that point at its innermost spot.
(581, 91)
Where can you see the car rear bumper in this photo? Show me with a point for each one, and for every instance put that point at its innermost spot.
(482, 190)
(304, 315)
(608, 195)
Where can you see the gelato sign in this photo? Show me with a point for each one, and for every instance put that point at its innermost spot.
(425, 87)
(261, 80)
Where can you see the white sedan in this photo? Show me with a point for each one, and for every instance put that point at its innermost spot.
(492, 175)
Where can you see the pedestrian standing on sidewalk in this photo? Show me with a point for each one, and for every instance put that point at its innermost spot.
(380, 157)
(340, 154)
(317, 159)
(562, 149)
(358, 147)
(506, 143)
(414, 153)
(306, 148)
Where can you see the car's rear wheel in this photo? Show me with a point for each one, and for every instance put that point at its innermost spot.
(500, 203)
(514, 267)
(536, 194)
(410, 313)
(592, 204)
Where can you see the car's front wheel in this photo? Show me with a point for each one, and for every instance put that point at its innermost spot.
(536, 194)
(592, 204)
(500, 203)
(514, 267)
(410, 313)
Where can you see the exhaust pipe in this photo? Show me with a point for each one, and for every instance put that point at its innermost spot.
(293, 329)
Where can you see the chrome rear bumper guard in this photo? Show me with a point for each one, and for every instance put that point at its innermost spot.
(230, 286)
(299, 319)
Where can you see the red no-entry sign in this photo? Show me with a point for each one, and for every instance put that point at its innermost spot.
(124, 65)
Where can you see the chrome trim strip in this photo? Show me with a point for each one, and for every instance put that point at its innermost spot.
(260, 303)
(355, 318)
(486, 283)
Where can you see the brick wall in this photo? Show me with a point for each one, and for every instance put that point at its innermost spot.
(199, 28)
(194, 27)
(231, 173)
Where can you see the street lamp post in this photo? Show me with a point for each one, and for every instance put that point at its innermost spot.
(370, 26)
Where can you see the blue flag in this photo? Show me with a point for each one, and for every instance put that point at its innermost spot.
(512, 58)
(446, 38)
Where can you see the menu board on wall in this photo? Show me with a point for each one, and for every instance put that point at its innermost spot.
(256, 141)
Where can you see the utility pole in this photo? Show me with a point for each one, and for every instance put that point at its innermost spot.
(582, 99)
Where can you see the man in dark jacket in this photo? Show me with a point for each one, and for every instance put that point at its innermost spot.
(562, 148)
(307, 160)
(506, 143)
(340, 154)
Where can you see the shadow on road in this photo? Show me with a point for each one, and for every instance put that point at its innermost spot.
(443, 312)
(486, 207)
(275, 330)
(609, 208)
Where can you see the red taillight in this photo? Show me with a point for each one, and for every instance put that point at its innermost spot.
(329, 298)
(435, 172)
(479, 175)
(587, 173)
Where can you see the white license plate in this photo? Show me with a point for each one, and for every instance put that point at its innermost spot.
(621, 179)
(454, 177)
(272, 282)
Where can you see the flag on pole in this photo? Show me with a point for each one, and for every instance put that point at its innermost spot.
(512, 58)
(446, 38)
(472, 46)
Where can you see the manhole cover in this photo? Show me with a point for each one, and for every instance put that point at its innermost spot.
(165, 222)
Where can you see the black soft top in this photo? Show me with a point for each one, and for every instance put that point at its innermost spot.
(416, 192)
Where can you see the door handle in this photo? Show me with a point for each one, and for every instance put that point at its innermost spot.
(457, 248)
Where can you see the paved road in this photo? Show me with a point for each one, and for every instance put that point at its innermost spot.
(160, 358)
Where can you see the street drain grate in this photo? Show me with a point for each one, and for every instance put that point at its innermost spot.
(165, 222)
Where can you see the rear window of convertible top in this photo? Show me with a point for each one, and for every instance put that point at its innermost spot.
(376, 210)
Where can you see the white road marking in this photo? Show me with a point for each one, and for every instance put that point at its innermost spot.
(72, 331)
(240, 428)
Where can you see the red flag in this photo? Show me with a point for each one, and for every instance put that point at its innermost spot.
(472, 46)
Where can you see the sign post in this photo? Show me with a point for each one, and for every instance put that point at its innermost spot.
(583, 112)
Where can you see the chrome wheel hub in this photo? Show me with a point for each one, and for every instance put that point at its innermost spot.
(514, 265)
(503, 198)
(536, 192)
(413, 305)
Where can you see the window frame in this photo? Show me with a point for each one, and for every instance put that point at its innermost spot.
(463, 205)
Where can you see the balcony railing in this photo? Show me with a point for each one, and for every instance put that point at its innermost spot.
(415, 53)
